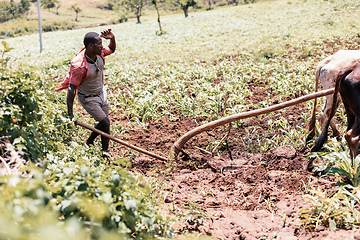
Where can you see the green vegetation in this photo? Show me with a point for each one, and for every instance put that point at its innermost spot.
(65, 188)
(11, 10)
(206, 65)
(20, 17)
(339, 210)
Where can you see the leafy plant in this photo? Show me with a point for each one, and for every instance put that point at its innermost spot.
(29, 116)
(347, 167)
(340, 210)
(97, 200)
(102, 199)
(339, 163)
(4, 59)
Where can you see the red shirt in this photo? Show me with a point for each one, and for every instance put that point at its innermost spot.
(79, 69)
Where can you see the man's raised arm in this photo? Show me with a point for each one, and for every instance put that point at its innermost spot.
(107, 34)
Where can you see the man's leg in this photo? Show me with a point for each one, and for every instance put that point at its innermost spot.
(105, 140)
(98, 108)
(103, 125)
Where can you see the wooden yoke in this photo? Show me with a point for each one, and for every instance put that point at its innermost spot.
(179, 144)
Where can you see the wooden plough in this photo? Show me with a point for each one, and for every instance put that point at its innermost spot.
(179, 144)
(120, 141)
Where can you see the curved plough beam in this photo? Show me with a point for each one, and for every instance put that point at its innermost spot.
(179, 144)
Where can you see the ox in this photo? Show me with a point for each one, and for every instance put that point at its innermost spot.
(326, 72)
(348, 85)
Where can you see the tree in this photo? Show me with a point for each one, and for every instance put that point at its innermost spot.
(135, 6)
(157, 10)
(236, 2)
(13, 10)
(76, 9)
(57, 6)
(47, 4)
(109, 5)
(185, 4)
(23, 6)
(210, 3)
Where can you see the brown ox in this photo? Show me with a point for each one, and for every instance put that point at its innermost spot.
(326, 72)
(348, 84)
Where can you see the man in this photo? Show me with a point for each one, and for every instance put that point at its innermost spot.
(87, 77)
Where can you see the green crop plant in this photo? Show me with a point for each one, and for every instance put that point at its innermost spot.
(251, 142)
(340, 164)
(269, 204)
(4, 58)
(96, 200)
(340, 210)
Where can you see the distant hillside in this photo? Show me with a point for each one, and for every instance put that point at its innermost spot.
(63, 18)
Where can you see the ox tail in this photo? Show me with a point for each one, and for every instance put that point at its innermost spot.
(311, 125)
(324, 134)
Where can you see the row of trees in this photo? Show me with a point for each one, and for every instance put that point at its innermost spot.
(12, 10)
(136, 7)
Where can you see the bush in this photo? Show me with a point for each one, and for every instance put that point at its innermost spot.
(31, 118)
(12, 10)
(47, 27)
(96, 200)
(9, 33)
(220, 4)
(53, 26)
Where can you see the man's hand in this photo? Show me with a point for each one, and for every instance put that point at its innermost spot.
(107, 34)
(70, 100)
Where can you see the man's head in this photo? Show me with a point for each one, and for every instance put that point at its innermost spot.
(93, 43)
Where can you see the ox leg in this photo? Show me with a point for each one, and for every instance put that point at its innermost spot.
(352, 138)
(326, 114)
(335, 130)
(351, 97)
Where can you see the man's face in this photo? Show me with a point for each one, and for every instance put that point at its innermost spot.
(97, 46)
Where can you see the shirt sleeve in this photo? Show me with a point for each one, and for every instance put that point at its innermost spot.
(64, 84)
(106, 51)
(76, 75)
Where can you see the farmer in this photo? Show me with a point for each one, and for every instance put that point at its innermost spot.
(87, 77)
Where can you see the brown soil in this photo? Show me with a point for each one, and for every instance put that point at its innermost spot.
(237, 193)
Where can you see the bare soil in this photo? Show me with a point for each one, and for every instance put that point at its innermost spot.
(234, 193)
